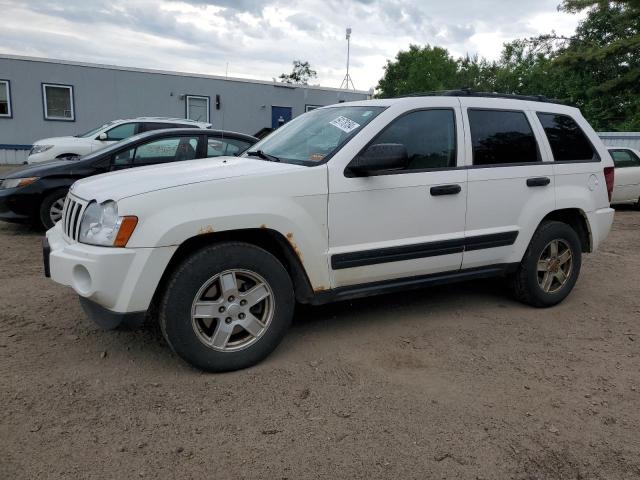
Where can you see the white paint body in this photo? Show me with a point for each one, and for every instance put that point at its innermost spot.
(627, 180)
(322, 212)
(63, 146)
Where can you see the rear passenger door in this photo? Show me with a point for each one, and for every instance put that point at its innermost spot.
(510, 182)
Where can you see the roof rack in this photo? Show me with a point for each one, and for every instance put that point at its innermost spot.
(467, 92)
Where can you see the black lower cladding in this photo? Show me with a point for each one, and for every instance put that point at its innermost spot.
(409, 283)
(109, 320)
(421, 250)
(46, 253)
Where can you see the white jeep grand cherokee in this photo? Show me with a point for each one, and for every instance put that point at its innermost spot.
(345, 201)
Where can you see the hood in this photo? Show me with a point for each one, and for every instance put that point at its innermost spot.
(136, 181)
(42, 169)
(63, 141)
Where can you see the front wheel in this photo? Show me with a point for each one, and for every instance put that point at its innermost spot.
(227, 307)
(51, 208)
(550, 267)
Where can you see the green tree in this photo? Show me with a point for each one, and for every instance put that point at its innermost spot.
(300, 74)
(418, 69)
(604, 54)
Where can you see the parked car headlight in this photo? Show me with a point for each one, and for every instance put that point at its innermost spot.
(17, 182)
(102, 226)
(39, 149)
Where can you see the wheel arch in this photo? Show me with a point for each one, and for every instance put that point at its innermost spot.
(270, 240)
(576, 219)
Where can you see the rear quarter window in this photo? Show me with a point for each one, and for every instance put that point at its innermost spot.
(568, 141)
(501, 137)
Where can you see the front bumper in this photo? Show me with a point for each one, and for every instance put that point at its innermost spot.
(112, 282)
(13, 206)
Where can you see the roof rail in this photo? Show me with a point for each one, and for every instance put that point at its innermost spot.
(467, 92)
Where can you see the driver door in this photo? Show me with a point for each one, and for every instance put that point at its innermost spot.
(403, 223)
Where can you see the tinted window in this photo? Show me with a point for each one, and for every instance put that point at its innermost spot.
(159, 151)
(501, 137)
(217, 146)
(121, 132)
(567, 141)
(625, 158)
(428, 135)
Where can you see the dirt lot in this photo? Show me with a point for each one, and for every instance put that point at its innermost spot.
(451, 382)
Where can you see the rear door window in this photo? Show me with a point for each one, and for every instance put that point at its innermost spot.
(123, 131)
(217, 146)
(501, 137)
(568, 142)
(625, 158)
(149, 126)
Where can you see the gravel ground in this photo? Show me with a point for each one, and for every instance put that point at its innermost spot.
(450, 382)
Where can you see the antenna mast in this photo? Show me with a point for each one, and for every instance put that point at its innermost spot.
(347, 78)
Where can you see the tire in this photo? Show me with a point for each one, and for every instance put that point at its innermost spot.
(52, 202)
(529, 284)
(189, 329)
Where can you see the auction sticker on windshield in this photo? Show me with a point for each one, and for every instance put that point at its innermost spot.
(345, 124)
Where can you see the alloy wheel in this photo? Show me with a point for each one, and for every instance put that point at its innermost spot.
(55, 211)
(232, 310)
(555, 266)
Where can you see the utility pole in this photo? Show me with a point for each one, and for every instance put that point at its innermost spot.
(347, 78)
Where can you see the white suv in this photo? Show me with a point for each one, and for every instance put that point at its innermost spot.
(345, 201)
(111, 132)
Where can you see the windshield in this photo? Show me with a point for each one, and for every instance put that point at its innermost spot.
(314, 136)
(93, 132)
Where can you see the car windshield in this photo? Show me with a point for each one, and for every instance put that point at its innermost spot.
(314, 136)
(93, 132)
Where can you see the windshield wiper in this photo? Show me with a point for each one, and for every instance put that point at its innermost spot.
(261, 154)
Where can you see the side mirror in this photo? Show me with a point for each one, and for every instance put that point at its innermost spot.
(379, 157)
(103, 136)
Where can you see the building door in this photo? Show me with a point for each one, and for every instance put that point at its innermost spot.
(280, 116)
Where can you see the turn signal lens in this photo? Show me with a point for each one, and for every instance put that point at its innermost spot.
(127, 226)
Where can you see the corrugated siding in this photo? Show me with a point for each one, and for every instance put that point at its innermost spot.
(13, 156)
(621, 139)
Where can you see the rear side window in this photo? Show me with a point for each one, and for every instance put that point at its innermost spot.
(568, 142)
(428, 135)
(148, 126)
(625, 158)
(121, 132)
(501, 137)
(217, 146)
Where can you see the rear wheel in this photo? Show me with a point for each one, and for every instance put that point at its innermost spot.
(51, 208)
(227, 306)
(550, 267)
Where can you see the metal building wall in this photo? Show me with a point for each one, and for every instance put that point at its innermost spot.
(103, 93)
(621, 139)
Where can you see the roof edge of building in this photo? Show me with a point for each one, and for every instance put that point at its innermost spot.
(174, 73)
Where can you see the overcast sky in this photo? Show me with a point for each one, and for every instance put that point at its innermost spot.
(260, 38)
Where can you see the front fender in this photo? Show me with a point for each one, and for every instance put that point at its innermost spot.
(294, 207)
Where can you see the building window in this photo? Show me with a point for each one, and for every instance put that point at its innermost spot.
(5, 98)
(197, 108)
(308, 108)
(58, 102)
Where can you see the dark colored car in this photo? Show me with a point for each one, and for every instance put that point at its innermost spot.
(35, 194)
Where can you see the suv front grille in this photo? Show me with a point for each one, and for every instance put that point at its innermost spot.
(72, 215)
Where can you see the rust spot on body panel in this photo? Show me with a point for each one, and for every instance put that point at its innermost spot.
(206, 229)
(319, 288)
(295, 247)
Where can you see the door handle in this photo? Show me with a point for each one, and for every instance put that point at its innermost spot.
(445, 190)
(538, 181)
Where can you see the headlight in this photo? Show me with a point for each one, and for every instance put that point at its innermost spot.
(17, 182)
(102, 226)
(40, 148)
